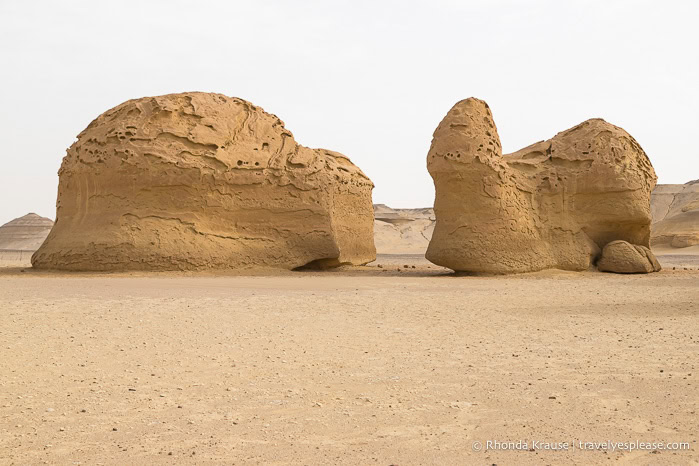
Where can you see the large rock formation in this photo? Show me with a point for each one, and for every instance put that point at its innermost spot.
(675, 209)
(553, 204)
(196, 181)
(24, 233)
(402, 231)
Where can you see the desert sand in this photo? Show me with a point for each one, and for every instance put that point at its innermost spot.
(359, 365)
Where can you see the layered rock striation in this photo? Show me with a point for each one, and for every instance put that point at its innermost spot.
(25, 233)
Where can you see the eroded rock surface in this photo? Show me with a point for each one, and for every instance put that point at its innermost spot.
(675, 210)
(198, 181)
(622, 257)
(554, 204)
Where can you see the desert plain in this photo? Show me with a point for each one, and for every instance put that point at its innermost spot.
(210, 293)
(397, 362)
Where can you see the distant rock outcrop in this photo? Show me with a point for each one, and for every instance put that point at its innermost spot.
(402, 231)
(197, 181)
(675, 210)
(554, 204)
(25, 233)
(623, 257)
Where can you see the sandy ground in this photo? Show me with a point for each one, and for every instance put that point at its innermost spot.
(363, 365)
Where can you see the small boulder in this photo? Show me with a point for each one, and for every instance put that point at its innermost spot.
(623, 257)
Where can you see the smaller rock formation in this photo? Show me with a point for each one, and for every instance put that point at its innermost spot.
(675, 215)
(623, 257)
(553, 204)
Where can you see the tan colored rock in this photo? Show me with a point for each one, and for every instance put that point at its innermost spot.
(553, 204)
(623, 257)
(198, 181)
(675, 215)
(24, 233)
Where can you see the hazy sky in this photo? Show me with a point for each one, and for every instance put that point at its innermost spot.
(370, 79)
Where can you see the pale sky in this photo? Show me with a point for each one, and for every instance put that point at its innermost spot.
(370, 79)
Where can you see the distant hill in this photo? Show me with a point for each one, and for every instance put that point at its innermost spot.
(675, 209)
(24, 233)
(402, 231)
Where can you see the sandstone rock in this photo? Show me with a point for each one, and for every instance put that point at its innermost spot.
(553, 204)
(675, 209)
(196, 181)
(24, 233)
(622, 257)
